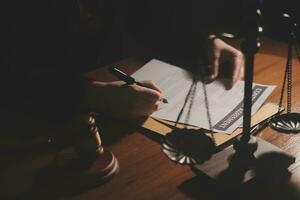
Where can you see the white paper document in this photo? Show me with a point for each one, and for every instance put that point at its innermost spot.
(210, 106)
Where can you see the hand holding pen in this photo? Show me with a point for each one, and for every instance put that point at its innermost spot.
(130, 80)
(122, 100)
(125, 101)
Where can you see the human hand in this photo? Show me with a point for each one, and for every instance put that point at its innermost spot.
(122, 100)
(219, 53)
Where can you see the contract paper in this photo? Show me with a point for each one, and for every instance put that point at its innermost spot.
(207, 105)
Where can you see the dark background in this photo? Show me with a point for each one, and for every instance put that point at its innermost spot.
(215, 15)
(274, 26)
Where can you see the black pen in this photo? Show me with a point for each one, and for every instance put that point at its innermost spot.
(128, 79)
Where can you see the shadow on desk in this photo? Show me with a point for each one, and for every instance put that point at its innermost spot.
(272, 181)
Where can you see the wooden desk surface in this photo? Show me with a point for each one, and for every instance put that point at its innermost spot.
(146, 173)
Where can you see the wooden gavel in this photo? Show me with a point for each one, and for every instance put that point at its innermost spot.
(86, 163)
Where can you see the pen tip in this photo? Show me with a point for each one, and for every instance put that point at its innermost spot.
(165, 100)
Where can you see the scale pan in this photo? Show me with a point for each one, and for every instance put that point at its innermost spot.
(288, 123)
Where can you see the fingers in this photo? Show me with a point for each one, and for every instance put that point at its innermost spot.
(149, 94)
(154, 108)
(214, 55)
(149, 91)
(242, 72)
(150, 108)
(150, 98)
(150, 84)
(237, 67)
(215, 69)
(221, 52)
(144, 108)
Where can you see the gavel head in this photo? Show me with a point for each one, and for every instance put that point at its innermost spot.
(84, 135)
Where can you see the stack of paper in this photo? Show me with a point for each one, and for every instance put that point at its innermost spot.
(210, 106)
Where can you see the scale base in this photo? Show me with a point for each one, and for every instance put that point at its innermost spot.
(267, 157)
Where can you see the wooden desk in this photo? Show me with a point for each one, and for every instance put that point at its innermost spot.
(146, 173)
